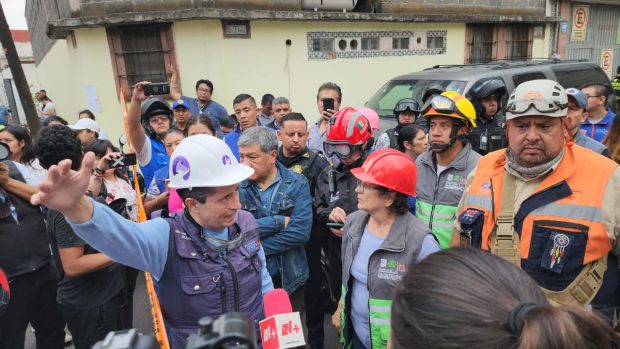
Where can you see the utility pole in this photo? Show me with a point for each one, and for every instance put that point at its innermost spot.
(18, 75)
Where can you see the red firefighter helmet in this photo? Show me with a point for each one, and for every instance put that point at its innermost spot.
(391, 169)
(347, 131)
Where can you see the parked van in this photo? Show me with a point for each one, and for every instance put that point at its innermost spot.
(460, 78)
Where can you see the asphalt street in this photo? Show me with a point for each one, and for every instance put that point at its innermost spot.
(142, 320)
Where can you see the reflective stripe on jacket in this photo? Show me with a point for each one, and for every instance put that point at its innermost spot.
(560, 225)
(438, 197)
(386, 268)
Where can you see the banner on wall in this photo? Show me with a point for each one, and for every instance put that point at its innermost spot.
(580, 22)
(607, 59)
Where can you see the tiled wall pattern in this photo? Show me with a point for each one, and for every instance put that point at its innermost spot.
(383, 51)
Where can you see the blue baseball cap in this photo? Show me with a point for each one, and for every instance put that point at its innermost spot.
(179, 102)
(580, 97)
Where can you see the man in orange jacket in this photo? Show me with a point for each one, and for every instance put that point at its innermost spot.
(545, 204)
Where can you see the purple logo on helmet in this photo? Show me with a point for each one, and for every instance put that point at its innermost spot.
(181, 166)
(226, 160)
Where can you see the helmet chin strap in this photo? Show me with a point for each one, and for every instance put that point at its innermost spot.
(453, 137)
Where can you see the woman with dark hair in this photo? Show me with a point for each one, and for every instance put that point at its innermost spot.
(484, 301)
(55, 120)
(158, 193)
(20, 143)
(108, 182)
(412, 142)
(380, 242)
(612, 139)
(200, 124)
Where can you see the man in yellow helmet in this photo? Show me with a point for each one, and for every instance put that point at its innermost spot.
(443, 169)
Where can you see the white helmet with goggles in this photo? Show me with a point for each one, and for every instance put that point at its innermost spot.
(537, 97)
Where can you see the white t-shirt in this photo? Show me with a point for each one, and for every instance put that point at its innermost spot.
(144, 157)
(440, 169)
(36, 169)
(48, 106)
(121, 189)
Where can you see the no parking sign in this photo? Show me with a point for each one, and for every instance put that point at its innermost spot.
(580, 23)
(607, 60)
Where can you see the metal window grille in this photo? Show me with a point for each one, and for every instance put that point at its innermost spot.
(143, 54)
(482, 43)
(519, 42)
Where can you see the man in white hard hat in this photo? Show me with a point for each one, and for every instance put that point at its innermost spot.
(206, 260)
(546, 205)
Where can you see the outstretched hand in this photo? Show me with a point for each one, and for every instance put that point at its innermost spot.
(64, 188)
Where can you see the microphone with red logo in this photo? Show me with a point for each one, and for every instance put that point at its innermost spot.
(282, 328)
(4, 292)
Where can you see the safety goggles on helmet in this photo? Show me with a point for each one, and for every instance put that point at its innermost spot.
(341, 149)
(542, 104)
(405, 104)
(443, 105)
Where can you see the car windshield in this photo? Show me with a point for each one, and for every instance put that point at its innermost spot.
(384, 101)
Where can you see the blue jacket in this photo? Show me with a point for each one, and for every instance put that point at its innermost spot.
(598, 130)
(284, 247)
(233, 137)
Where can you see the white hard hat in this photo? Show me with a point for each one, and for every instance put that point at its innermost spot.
(537, 97)
(205, 161)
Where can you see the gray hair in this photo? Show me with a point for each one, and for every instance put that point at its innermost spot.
(281, 100)
(261, 135)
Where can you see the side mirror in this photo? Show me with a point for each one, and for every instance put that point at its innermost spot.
(122, 139)
(5, 151)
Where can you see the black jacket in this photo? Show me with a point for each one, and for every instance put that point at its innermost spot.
(24, 244)
(310, 163)
(495, 131)
(344, 197)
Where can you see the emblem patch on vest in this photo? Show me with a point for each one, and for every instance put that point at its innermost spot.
(394, 270)
(334, 197)
(556, 252)
(297, 169)
(252, 245)
(455, 183)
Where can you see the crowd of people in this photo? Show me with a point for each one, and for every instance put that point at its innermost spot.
(384, 232)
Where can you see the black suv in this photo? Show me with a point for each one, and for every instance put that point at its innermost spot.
(460, 78)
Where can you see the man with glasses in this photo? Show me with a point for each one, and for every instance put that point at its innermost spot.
(148, 124)
(599, 119)
(202, 104)
(576, 113)
(442, 169)
(347, 137)
(280, 202)
(547, 205)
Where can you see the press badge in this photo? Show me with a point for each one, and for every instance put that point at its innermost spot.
(556, 252)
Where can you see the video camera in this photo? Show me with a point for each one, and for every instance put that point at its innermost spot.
(231, 330)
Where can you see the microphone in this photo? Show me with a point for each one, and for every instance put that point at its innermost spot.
(5, 292)
(282, 328)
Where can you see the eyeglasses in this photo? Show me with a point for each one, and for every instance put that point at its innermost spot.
(593, 96)
(543, 105)
(363, 186)
(158, 117)
(203, 90)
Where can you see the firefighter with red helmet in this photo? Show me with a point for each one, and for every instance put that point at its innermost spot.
(347, 139)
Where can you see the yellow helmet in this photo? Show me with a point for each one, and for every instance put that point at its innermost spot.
(450, 104)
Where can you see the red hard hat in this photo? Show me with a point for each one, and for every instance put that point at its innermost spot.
(349, 125)
(389, 168)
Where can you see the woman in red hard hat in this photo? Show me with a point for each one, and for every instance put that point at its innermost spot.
(381, 242)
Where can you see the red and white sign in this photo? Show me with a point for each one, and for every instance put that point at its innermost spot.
(607, 60)
(580, 22)
(282, 331)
